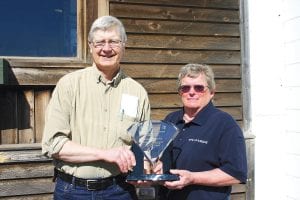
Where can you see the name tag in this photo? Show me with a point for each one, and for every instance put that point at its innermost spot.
(129, 105)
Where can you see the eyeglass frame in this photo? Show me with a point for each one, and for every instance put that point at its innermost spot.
(111, 43)
(202, 90)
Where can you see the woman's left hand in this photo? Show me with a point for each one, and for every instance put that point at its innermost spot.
(185, 178)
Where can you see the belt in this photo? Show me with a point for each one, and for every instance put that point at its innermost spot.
(90, 184)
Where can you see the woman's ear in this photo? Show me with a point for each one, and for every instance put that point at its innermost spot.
(212, 93)
(123, 49)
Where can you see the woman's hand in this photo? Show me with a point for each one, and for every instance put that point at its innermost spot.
(185, 178)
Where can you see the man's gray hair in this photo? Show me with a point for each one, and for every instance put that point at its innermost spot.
(106, 23)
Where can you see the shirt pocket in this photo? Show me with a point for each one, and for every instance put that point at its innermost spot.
(125, 123)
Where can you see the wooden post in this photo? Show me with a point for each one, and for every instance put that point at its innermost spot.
(3, 71)
(103, 7)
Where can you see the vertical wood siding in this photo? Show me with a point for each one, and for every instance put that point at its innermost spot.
(22, 115)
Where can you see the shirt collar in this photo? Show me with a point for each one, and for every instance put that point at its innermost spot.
(203, 115)
(200, 118)
(114, 82)
(179, 119)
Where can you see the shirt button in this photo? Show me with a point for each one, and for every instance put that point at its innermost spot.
(105, 110)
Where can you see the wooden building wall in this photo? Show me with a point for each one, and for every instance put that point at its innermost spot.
(163, 35)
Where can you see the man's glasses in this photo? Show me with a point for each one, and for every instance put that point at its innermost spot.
(111, 44)
(197, 88)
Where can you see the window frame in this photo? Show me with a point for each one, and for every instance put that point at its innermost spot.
(87, 12)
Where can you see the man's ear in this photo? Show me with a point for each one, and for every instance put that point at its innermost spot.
(91, 51)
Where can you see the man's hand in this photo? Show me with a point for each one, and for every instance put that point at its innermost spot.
(123, 157)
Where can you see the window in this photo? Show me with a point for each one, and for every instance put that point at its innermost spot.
(35, 28)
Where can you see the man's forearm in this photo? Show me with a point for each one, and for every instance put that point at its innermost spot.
(75, 153)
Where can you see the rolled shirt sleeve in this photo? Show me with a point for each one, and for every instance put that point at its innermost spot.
(57, 129)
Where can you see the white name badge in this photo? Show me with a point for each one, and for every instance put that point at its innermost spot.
(129, 105)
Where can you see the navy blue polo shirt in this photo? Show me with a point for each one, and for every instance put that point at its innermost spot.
(211, 140)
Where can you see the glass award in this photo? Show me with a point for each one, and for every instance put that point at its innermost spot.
(150, 140)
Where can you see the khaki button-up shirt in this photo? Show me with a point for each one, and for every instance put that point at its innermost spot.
(88, 111)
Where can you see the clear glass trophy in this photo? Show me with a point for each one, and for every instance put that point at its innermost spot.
(151, 139)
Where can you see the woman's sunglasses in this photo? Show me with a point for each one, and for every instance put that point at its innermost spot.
(197, 88)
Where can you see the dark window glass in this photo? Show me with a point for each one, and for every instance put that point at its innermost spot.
(38, 28)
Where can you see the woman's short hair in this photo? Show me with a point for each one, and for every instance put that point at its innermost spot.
(194, 70)
(106, 23)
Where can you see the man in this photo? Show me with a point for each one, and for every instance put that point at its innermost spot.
(209, 153)
(87, 118)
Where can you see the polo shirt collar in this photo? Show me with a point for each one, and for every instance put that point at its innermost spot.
(200, 118)
(203, 115)
(179, 117)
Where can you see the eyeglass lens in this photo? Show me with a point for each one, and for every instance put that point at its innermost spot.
(187, 88)
(111, 43)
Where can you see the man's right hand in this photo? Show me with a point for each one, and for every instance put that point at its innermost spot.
(123, 157)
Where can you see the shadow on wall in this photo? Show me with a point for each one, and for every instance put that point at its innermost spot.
(14, 106)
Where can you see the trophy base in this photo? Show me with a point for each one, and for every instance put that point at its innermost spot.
(153, 177)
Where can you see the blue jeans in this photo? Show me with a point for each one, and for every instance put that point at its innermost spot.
(64, 190)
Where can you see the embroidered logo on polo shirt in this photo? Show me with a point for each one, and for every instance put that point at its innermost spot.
(198, 140)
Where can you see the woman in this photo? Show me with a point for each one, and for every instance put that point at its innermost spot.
(209, 152)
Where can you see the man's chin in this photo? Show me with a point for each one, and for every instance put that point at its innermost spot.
(107, 64)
